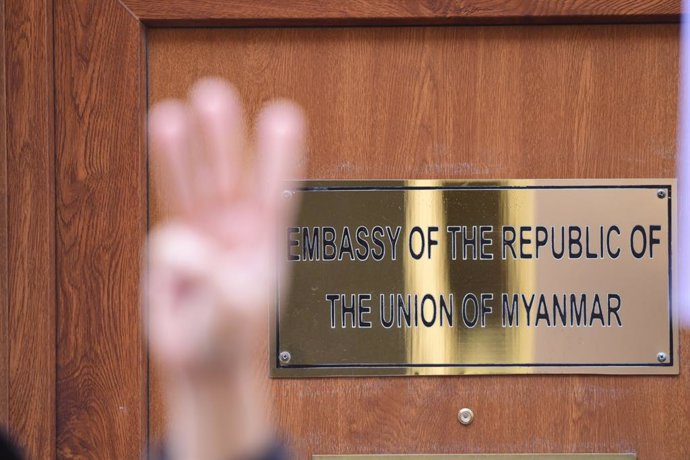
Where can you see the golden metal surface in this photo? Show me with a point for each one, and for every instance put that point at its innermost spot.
(479, 457)
(535, 289)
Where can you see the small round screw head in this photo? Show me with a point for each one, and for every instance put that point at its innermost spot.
(284, 357)
(287, 194)
(465, 416)
(661, 193)
(661, 357)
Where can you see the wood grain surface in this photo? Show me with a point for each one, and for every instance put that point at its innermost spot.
(31, 229)
(452, 102)
(101, 224)
(4, 273)
(411, 12)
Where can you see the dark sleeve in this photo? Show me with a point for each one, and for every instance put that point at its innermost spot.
(277, 451)
(8, 449)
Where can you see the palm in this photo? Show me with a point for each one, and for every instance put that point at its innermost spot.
(210, 266)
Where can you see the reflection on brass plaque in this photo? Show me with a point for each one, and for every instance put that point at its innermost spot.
(479, 277)
(480, 457)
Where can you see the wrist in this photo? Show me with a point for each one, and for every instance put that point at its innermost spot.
(217, 417)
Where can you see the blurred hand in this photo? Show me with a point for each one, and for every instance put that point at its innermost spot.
(212, 266)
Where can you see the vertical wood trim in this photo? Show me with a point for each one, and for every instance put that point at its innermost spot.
(101, 225)
(4, 313)
(31, 224)
(142, 111)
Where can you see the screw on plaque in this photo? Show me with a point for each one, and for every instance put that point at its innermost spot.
(287, 194)
(661, 357)
(465, 416)
(285, 357)
(661, 193)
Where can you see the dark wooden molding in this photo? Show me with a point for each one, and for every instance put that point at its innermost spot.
(398, 12)
(30, 224)
(101, 225)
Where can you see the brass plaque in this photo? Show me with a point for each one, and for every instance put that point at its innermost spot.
(479, 457)
(479, 277)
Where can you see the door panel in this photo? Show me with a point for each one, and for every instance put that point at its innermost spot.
(453, 103)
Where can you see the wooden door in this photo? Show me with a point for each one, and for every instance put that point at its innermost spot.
(447, 89)
(592, 101)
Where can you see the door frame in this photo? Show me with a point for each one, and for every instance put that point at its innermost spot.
(75, 161)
